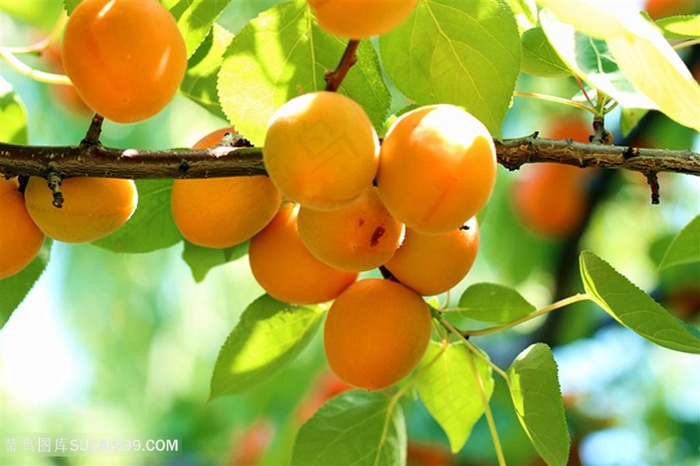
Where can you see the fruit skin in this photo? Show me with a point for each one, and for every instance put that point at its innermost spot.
(321, 150)
(223, 212)
(437, 168)
(20, 238)
(126, 58)
(376, 333)
(360, 19)
(92, 207)
(433, 264)
(359, 236)
(287, 270)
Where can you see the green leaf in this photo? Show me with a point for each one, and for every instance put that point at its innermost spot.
(457, 52)
(680, 27)
(70, 5)
(281, 54)
(195, 18)
(534, 388)
(269, 335)
(200, 80)
(630, 118)
(633, 308)
(525, 13)
(13, 115)
(353, 428)
(40, 14)
(539, 58)
(685, 248)
(201, 260)
(450, 391)
(490, 302)
(151, 227)
(15, 288)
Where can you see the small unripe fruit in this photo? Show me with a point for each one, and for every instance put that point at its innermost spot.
(321, 150)
(376, 333)
(437, 168)
(360, 19)
(20, 238)
(92, 207)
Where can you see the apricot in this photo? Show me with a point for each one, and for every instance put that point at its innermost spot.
(360, 19)
(126, 58)
(223, 212)
(376, 333)
(287, 270)
(359, 236)
(92, 207)
(550, 199)
(321, 150)
(20, 238)
(437, 168)
(433, 264)
(662, 8)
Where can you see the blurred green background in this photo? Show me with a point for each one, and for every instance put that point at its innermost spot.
(123, 346)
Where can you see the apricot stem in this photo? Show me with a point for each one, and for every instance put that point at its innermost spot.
(23, 68)
(335, 78)
(92, 137)
(44, 43)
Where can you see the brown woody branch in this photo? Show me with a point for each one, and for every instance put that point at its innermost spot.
(99, 161)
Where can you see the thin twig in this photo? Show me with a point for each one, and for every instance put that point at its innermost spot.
(335, 78)
(92, 137)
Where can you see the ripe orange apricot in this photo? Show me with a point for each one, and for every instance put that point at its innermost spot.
(550, 198)
(92, 207)
(126, 58)
(360, 19)
(359, 236)
(437, 168)
(376, 333)
(321, 150)
(433, 264)
(287, 270)
(223, 212)
(20, 238)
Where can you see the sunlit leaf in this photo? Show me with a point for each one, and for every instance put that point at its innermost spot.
(534, 388)
(195, 18)
(685, 248)
(13, 115)
(539, 58)
(201, 260)
(151, 227)
(457, 52)
(281, 54)
(202, 73)
(39, 14)
(525, 13)
(269, 335)
(490, 302)
(450, 391)
(14, 289)
(353, 428)
(680, 27)
(633, 308)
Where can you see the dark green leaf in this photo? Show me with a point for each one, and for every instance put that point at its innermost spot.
(539, 58)
(354, 428)
(630, 118)
(457, 52)
(281, 54)
(14, 289)
(202, 73)
(685, 248)
(450, 390)
(534, 388)
(195, 18)
(201, 260)
(633, 308)
(151, 227)
(269, 336)
(13, 115)
(490, 302)
(69, 4)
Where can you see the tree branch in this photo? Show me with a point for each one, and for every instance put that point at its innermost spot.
(99, 161)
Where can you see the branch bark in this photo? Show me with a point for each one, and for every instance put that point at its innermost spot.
(100, 161)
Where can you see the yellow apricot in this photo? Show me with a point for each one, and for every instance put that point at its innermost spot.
(287, 270)
(321, 150)
(92, 207)
(437, 168)
(376, 333)
(360, 19)
(359, 236)
(20, 238)
(223, 212)
(433, 264)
